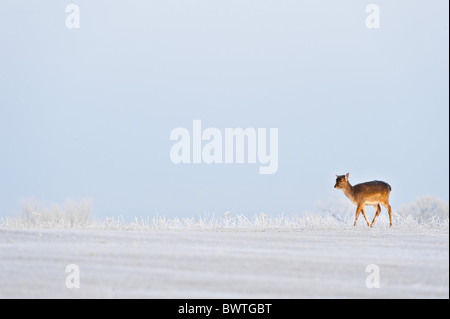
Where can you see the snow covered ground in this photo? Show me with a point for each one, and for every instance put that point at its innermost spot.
(229, 257)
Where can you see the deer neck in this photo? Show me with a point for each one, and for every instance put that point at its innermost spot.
(348, 191)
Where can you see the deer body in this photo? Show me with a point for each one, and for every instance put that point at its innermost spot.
(370, 193)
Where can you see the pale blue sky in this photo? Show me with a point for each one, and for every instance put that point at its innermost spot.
(87, 113)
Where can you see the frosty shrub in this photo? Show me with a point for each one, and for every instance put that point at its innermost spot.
(72, 213)
(425, 208)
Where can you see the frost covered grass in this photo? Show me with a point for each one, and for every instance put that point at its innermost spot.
(228, 221)
(262, 222)
(426, 212)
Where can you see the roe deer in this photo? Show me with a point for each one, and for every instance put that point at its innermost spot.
(370, 193)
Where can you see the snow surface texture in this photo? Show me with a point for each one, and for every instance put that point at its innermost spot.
(309, 256)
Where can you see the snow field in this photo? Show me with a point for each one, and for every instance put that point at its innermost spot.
(318, 259)
(227, 256)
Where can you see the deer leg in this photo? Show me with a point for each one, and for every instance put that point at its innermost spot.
(388, 207)
(378, 207)
(358, 210)
(364, 214)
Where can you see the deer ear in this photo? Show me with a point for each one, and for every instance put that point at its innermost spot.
(346, 176)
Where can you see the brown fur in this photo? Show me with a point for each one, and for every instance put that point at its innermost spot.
(370, 193)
